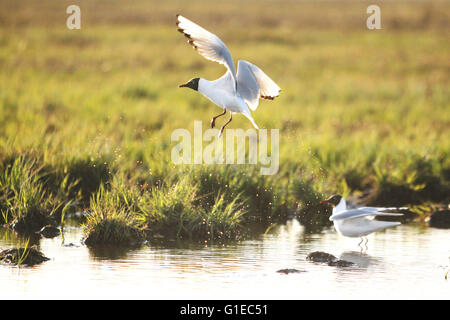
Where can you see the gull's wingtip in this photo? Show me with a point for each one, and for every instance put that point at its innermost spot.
(394, 214)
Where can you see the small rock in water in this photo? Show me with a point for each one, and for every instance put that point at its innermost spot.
(323, 257)
(24, 256)
(49, 231)
(340, 263)
(440, 219)
(319, 256)
(287, 271)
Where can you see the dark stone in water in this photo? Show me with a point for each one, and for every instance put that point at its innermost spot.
(49, 231)
(70, 245)
(319, 256)
(287, 271)
(29, 256)
(440, 219)
(340, 263)
(323, 257)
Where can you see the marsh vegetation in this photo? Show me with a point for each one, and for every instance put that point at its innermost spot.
(86, 116)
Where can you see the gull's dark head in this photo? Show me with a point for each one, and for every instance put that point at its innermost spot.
(333, 200)
(193, 84)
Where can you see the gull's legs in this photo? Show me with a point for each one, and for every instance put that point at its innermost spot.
(229, 120)
(359, 244)
(213, 120)
(364, 246)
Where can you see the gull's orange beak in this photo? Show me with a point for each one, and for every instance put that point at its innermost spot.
(182, 85)
(324, 201)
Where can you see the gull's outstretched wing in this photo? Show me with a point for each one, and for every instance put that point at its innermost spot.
(362, 212)
(206, 43)
(253, 83)
(382, 208)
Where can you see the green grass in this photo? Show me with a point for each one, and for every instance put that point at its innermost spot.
(24, 201)
(114, 216)
(181, 211)
(123, 213)
(86, 116)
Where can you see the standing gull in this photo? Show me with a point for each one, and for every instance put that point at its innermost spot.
(358, 223)
(234, 92)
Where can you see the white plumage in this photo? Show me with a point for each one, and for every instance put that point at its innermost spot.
(358, 222)
(234, 92)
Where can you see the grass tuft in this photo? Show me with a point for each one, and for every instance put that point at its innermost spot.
(24, 202)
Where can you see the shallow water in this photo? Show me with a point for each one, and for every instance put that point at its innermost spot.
(404, 262)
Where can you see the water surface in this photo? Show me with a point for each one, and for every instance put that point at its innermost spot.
(405, 262)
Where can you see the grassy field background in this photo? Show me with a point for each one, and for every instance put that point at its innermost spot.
(86, 115)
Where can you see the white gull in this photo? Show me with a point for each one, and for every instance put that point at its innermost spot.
(234, 92)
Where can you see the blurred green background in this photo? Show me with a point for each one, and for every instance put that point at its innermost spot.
(362, 112)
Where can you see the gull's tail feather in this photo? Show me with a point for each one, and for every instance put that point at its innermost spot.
(249, 117)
